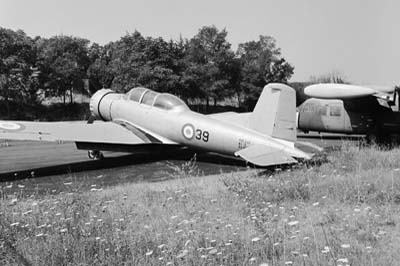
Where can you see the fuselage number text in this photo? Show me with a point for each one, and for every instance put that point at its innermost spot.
(202, 135)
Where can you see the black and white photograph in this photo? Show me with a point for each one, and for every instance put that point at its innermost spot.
(261, 133)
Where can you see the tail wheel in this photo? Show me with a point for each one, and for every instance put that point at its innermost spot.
(95, 155)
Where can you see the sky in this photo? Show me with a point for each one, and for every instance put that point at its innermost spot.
(358, 38)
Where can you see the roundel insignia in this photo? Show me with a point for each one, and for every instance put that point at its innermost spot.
(188, 131)
(10, 126)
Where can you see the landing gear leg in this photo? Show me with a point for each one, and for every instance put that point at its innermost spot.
(95, 155)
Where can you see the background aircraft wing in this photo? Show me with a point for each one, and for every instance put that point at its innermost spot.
(357, 98)
(97, 132)
(263, 155)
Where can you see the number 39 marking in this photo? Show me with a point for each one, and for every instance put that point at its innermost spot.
(202, 135)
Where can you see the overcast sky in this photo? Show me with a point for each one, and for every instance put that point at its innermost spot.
(360, 38)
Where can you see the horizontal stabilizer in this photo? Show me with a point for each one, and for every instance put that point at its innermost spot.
(263, 155)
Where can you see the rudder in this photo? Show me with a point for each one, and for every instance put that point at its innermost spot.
(275, 112)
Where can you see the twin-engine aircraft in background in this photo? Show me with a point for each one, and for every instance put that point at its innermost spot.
(143, 118)
(350, 109)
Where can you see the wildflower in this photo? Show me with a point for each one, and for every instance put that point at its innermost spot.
(148, 253)
(289, 262)
(381, 232)
(178, 231)
(345, 245)
(98, 238)
(357, 210)
(14, 224)
(326, 249)
(13, 201)
(161, 246)
(264, 264)
(67, 183)
(63, 230)
(39, 235)
(228, 244)
(252, 259)
(315, 204)
(213, 251)
(275, 244)
(160, 258)
(255, 239)
(182, 253)
(203, 256)
(20, 186)
(343, 260)
(169, 263)
(293, 223)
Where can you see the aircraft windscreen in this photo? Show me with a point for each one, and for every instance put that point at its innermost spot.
(148, 97)
(168, 101)
(136, 93)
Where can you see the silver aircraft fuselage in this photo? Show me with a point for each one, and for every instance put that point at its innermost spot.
(179, 125)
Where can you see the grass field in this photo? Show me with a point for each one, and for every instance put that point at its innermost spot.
(344, 212)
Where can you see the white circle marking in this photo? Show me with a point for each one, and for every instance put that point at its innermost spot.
(188, 132)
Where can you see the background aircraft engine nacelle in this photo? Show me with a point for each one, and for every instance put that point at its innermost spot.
(100, 103)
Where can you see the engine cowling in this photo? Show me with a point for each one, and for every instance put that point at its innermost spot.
(100, 103)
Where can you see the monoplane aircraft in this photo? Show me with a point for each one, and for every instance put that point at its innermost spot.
(342, 108)
(143, 118)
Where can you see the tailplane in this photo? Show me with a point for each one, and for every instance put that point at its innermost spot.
(275, 112)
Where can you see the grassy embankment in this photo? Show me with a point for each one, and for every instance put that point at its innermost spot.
(345, 212)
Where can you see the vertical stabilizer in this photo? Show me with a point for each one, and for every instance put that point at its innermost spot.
(275, 112)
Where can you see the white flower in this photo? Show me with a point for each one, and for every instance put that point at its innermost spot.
(255, 239)
(345, 245)
(148, 253)
(293, 223)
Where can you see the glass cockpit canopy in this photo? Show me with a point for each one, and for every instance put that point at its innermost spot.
(163, 101)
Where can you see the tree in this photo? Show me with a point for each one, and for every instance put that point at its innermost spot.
(64, 61)
(261, 63)
(18, 74)
(99, 72)
(209, 61)
(332, 77)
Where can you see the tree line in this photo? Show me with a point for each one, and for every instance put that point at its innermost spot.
(204, 67)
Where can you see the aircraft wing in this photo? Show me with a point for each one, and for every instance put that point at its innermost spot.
(98, 132)
(263, 155)
(238, 119)
(345, 91)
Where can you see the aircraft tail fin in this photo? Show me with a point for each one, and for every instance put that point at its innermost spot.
(275, 112)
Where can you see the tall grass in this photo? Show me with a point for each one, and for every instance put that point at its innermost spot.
(344, 212)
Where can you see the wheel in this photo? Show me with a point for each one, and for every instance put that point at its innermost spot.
(95, 155)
